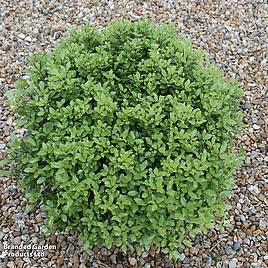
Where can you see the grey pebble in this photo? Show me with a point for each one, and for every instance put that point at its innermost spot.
(1, 235)
(254, 189)
(232, 263)
(17, 240)
(236, 246)
(69, 239)
(209, 261)
(6, 230)
(113, 258)
(2, 146)
(186, 260)
(94, 265)
(228, 250)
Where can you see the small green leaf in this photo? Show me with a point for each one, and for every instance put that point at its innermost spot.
(41, 180)
(187, 243)
(64, 217)
(132, 193)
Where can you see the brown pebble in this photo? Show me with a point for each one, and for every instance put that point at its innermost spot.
(60, 260)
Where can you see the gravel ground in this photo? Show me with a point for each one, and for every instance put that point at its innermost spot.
(234, 35)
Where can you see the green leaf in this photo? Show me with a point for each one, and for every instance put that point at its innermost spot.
(117, 231)
(223, 147)
(183, 201)
(144, 165)
(132, 193)
(64, 218)
(175, 255)
(41, 180)
(187, 243)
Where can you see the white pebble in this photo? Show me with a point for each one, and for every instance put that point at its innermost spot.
(28, 38)
(256, 127)
(254, 189)
(21, 36)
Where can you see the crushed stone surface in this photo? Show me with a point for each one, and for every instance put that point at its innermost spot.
(234, 36)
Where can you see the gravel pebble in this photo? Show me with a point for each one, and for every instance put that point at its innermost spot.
(236, 246)
(229, 250)
(132, 261)
(232, 263)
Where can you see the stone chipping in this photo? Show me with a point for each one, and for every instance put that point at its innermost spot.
(234, 34)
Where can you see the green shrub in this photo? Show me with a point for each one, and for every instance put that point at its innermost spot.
(129, 137)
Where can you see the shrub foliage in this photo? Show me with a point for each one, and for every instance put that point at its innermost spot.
(129, 136)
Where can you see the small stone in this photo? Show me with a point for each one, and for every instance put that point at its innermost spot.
(232, 263)
(186, 260)
(6, 46)
(53, 239)
(75, 259)
(16, 233)
(236, 246)
(35, 30)
(182, 257)
(19, 262)
(113, 258)
(69, 239)
(239, 206)
(229, 250)
(95, 265)
(17, 240)
(152, 252)
(70, 249)
(254, 189)
(28, 39)
(11, 264)
(21, 36)
(145, 254)
(256, 127)
(262, 225)
(209, 261)
(57, 35)
(24, 237)
(229, 28)
(27, 259)
(242, 218)
(95, 249)
(1, 235)
(132, 261)
(2, 146)
(147, 265)
(2, 64)
(255, 265)
(5, 230)
(60, 260)
(194, 250)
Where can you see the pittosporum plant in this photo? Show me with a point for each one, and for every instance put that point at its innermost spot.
(129, 137)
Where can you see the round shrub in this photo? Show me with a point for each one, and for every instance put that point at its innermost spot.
(129, 136)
